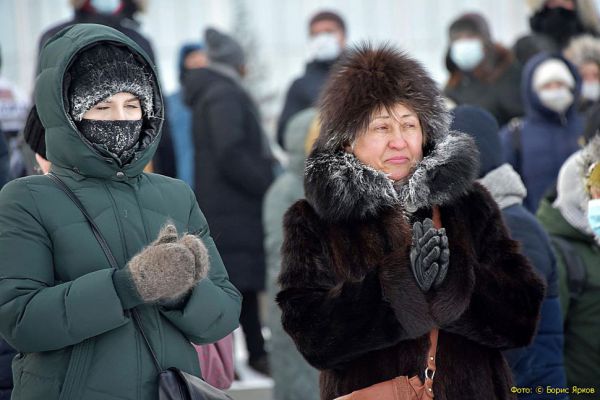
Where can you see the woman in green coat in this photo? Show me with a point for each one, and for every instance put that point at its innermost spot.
(61, 304)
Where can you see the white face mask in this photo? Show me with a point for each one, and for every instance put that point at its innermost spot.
(467, 53)
(106, 6)
(324, 47)
(590, 90)
(557, 100)
(594, 216)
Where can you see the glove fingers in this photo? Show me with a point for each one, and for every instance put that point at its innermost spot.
(444, 256)
(444, 242)
(431, 233)
(426, 247)
(167, 234)
(432, 256)
(429, 277)
(441, 275)
(428, 224)
(417, 232)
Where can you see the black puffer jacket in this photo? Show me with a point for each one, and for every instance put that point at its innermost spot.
(233, 170)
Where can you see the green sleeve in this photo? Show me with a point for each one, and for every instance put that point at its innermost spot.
(37, 313)
(212, 310)
(563, 286)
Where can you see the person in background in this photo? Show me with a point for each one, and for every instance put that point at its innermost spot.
(294, 378)
(395, 239)
(573, 221)
(63, 306)
(584, 53)
(104, 12)
(541, 363)
(548, 134)
(327, 31)
(191, 56)
(482, 72)
(14, 105)
(562, 20)
(232, 171)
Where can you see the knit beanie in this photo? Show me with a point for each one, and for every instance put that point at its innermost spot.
(103, 71)
(472, 23)
(223, 49)
(552, 70)
(483, 127)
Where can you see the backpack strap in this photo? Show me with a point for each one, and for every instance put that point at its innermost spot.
(576, 270)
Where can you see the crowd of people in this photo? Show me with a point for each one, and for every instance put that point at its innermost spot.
(438, 238)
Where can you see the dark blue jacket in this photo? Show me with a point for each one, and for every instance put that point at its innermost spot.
(547, 139)
(180, 122)
(303, 93)
(6, 383)
(541, 363)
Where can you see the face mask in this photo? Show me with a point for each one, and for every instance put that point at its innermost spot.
(557, 100)
(466, 53)
(590, 90)
(558, 23)
(594, 216)
(106, 6)
(115, 136)
(324, 47)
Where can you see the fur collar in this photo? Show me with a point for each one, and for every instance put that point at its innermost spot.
(341, 188)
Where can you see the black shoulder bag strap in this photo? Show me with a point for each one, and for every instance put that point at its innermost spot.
(575, 268)
(109, 255)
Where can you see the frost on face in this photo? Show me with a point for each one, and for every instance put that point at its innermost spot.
(116, 136)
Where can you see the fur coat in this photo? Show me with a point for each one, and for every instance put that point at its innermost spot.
(350, 301)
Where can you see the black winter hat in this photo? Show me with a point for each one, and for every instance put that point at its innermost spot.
(34, 133)
(483, 127)
(104, 70)
(223, 48)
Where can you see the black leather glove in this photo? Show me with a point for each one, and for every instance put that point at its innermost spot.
(429, 255)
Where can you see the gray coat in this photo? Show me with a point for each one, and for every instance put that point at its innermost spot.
(294, 378)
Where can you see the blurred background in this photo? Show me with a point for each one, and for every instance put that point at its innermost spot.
(274, 33)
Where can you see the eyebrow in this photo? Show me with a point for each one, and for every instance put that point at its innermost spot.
(388, 117)
(133, 98)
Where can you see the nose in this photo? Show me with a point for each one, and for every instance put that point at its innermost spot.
(397, 140)
(118, 114)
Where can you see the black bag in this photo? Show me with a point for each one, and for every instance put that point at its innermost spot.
(173, 384)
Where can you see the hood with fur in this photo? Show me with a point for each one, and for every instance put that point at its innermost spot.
(342, 188)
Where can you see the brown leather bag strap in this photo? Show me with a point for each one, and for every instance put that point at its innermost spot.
(436, 217)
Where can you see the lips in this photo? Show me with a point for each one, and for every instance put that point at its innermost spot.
(397, 160)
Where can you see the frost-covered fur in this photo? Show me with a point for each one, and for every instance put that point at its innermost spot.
(340, 187)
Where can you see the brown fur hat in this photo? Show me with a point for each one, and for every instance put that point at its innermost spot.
(367, 78)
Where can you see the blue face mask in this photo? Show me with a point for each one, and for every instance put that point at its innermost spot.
(106, 6)
(594, 216)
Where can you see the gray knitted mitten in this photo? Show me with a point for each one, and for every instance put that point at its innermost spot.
(197, 247)
(165, 270)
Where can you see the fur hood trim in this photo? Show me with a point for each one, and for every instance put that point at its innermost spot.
(367, 78)
(341, 188)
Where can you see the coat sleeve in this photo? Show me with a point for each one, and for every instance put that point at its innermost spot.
(228, 126)
(334, 321)
(36, 313)
(504, 307)
(212, 310)
(294, 103)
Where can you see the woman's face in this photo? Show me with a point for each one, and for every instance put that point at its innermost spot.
(121, 106)
(392, 142)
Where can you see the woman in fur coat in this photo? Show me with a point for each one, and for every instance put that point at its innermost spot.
(365, 276)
